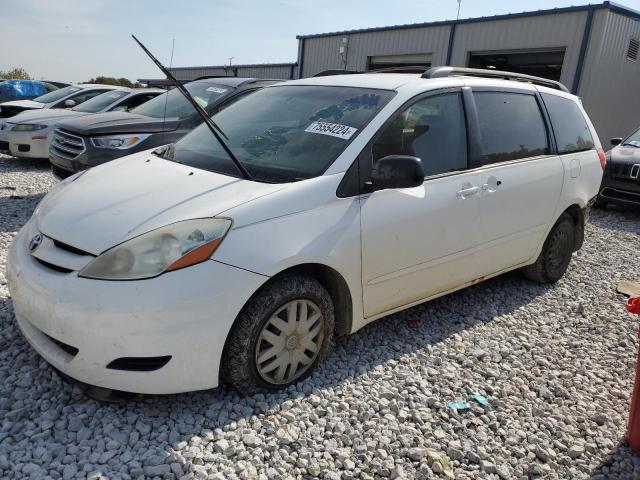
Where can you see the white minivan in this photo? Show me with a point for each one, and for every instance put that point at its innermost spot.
(358, 196)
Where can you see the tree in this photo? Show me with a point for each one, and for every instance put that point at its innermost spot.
(14, 73)
(121, 82)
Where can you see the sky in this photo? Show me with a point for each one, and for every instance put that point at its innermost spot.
(74, 40)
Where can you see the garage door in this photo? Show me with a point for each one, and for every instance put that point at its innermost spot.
(541, 63)
(376, 62)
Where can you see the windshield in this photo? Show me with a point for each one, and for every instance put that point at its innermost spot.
(99, 103)
(283, 134)
(633, 140)
(56, 95)
(179, 107)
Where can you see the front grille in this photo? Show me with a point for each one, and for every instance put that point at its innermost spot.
(139, 364)
(60, 172)
(69, 248)
(66, 145)
(57, 268)
(73, 351)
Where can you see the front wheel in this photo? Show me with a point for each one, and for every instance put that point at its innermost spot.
(556, 253)
(280, 335)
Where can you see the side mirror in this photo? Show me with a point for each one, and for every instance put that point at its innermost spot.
(120, 109)
(397, 171)
(616, 141)
(69, 103)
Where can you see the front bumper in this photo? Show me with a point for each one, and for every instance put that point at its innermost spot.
(27, 144)
(184, 314)
(624, 193)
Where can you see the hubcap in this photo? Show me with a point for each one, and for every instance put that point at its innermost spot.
(558, 249)
(290, 341)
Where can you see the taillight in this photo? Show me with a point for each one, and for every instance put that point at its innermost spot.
(603, 158)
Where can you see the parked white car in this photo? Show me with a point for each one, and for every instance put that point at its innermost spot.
(166, 270)
(67, 97)
(29, 134)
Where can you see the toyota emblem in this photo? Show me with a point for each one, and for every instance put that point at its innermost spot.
(35, 243)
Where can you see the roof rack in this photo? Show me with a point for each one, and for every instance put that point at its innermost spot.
(402, 69)
(328, 73)
(444, 72)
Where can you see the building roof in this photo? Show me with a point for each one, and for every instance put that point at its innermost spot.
(614, 7)
(240, 65)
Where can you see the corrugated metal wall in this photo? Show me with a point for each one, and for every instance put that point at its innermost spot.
(610, 82)
(267, 70)
(548, 31)
(563, 30)
(323, 53)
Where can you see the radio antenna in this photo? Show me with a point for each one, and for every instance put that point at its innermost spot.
(166, 97)
(201, 111)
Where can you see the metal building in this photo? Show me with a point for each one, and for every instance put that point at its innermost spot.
(593, 49)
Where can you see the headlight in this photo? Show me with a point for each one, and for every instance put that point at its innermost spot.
(118, 142)
(167, 248)
(27, 127)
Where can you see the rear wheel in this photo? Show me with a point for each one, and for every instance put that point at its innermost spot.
(556, 253)
(281, 334)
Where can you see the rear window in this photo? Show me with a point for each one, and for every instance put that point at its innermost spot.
(511, 126)
(570, 128)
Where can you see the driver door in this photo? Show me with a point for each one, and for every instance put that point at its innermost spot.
(418, 242)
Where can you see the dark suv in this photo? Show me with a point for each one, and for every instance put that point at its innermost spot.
(621, 180)
(81, 143)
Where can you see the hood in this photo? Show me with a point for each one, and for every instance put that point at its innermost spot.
(24, 104)
(118, 122)
(43, 115)
(625, 154)
(133, 195)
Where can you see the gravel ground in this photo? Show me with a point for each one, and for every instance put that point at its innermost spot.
(555, 363)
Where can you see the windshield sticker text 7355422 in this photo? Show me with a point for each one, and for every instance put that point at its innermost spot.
(333, 129)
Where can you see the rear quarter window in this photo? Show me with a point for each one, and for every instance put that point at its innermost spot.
(569, 125)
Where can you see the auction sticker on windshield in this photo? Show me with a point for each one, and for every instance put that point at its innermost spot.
(216, 89)
(332, 129)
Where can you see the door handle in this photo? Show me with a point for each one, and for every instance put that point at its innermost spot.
(467, 192)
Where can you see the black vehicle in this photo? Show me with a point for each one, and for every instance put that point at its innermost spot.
(621, 180)
(85, 142)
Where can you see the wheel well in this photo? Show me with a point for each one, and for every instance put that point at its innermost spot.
(338, 290)
(577, 215)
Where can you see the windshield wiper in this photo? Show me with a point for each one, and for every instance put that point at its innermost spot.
(630, 145)
(201, 111)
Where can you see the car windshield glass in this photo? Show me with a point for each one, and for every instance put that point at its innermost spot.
(283, 134)
(99, 103)
(56, 95)
(633, 140)
(177, 106)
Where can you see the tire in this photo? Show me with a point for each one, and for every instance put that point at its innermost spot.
(255, 335)
(556, 253)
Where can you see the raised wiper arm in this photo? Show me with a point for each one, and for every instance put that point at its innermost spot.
(201, 111)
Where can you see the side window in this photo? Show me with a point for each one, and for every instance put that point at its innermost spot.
(82, 97)
(511, 126)
(432, 129)
(570, 127)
